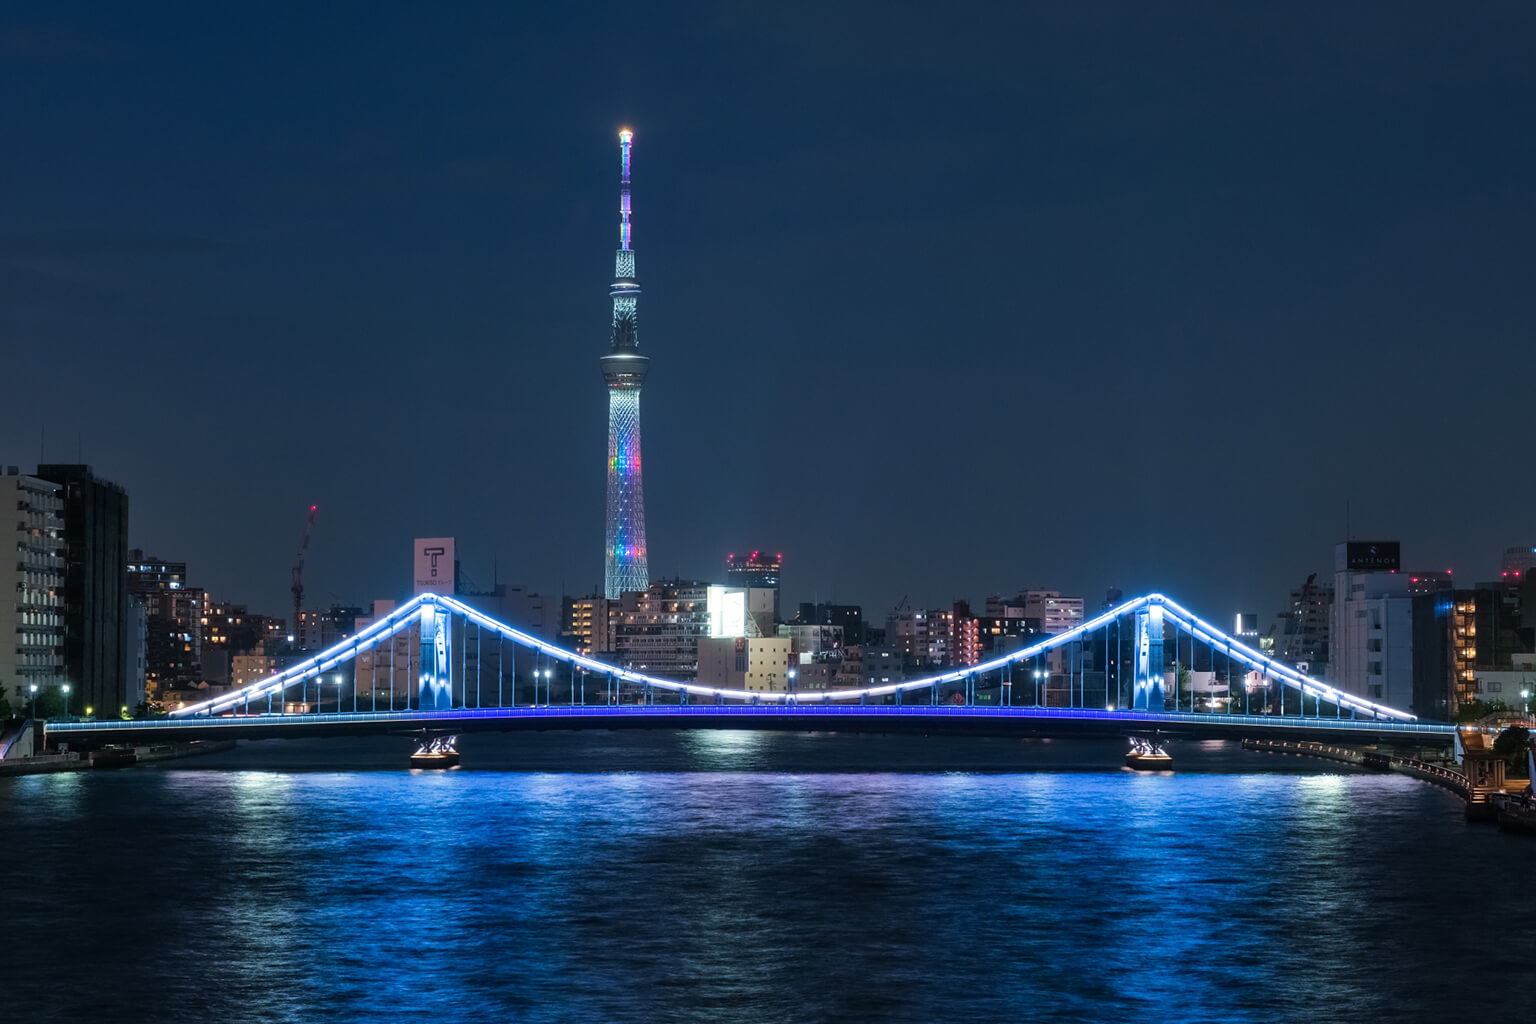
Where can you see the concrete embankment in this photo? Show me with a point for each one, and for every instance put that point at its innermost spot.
(110, 757)
(1439, 775)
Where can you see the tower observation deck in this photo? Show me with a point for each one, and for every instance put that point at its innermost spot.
(624, 370)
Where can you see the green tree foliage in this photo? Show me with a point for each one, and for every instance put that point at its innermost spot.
(1511, 745)
(1473, 710)
(49, 702)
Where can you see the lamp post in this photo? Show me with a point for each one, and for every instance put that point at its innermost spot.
(1525, 705)
(34, 700)
(66, 700)
(792, 680)
(337, 680)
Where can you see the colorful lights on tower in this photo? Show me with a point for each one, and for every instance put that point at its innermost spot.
(624, 370)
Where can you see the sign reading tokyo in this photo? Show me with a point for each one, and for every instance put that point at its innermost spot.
(434, 566)
(1373, 556)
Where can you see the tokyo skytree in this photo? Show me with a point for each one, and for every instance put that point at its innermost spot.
(624, 370)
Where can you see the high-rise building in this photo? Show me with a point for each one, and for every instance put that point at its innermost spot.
(759, 569)
(320, 628)
(584, 624)
(173, 614)
(657, 630)
(1371, 632)
(32, 585)
(96, 614)
(624, 370)
(1518, 561)
(936, 636)
(1055, 613)
(1301, 632)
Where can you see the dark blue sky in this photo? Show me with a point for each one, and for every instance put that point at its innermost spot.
(938, 303)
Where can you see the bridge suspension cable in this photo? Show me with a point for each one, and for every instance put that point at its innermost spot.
(434, 607)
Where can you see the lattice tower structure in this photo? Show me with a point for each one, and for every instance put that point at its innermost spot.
(624, 370)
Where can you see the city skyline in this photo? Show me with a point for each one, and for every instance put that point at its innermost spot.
(1103, 362)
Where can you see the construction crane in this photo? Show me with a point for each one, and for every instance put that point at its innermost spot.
(298, 571)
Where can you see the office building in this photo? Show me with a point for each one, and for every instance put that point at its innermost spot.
(849, 616)
(657, 630)
(1518, 561)
(96, 613)
(756, 570)
(808, 642)
(1372, 632)
(173, 616)
(32, 587)
(320, 628)
(1301, 631)
(584, 624)
(760, 664)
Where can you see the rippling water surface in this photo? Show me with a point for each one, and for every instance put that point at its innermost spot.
(754, 877)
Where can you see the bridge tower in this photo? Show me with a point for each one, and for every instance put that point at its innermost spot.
(435, 691)
(624, 370)
(1149, 658)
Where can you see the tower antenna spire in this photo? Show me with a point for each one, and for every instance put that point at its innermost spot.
(625, 138)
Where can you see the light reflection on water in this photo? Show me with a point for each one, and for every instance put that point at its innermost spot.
(751, 877)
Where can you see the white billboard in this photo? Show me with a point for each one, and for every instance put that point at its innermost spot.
(727, 611)
(434, 566)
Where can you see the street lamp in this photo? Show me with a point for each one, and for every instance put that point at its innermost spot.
(66, 700)
(34, 700)
(1525, 706)
(791, 680)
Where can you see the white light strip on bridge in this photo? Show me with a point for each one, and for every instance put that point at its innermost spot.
(311, 667)
(1285, 673)
(402, 617)
(823, 697)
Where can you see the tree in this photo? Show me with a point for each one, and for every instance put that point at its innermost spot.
(1473, 710)
(1511, 745)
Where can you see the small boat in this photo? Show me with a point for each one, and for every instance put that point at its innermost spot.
(1149, 761)
(1148, 756)
(437, 752)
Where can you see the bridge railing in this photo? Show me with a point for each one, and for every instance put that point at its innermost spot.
(813, 711)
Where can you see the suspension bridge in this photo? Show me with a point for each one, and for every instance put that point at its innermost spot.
(445, 669)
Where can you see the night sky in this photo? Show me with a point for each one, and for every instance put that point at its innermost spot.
(1074, 295)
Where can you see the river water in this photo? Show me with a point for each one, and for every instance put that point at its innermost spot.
(754, 877)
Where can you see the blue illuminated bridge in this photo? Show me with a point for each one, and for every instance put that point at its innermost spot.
(437, 666)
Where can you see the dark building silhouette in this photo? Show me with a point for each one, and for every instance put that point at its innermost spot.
(849, 616)
(95, 589)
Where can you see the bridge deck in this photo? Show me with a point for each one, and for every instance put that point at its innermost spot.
(1001, 721)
